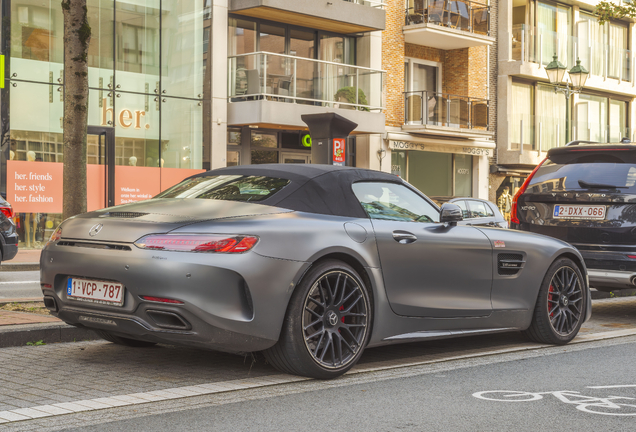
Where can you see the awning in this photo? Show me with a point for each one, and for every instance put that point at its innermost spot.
(402, 141)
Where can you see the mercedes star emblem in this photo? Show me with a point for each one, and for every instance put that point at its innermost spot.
(95, 229)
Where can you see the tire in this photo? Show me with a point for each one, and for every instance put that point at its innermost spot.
(560, 307)
(327, 325)
(122, 340)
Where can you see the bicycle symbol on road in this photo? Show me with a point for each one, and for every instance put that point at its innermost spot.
(594, 405)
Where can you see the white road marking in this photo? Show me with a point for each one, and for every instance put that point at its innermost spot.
(264, 381)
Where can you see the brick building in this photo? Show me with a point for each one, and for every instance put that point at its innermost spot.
(440, 59)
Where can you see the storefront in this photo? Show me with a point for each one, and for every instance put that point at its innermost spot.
(147, 104)
(441, 168)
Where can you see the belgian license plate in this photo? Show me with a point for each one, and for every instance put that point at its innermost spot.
(96, 291)
(579, 212)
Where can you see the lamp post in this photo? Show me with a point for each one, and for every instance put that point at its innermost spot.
(578, 75)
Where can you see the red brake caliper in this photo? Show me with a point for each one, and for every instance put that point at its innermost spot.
(550, 305)
(341, 309)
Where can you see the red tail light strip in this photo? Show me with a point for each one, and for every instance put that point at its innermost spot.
(161, 300)
(513, 210)
(215, 243)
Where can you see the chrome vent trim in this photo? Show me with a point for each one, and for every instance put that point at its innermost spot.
(509, 264)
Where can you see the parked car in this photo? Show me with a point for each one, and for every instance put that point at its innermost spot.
(309, 264)
(585, 194)
(9, 236)
(477, 212)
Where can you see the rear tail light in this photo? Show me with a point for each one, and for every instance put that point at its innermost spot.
(197, 243)
(513, 211)
(8, 211)
(161, 300)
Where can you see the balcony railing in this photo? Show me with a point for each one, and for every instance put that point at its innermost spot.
(533, 45)
(441, 109)
(372, 3)
(542, 132)
(470, 16)
(284, 78)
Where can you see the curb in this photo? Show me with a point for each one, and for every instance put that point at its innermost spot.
(19, 335)
(7, 267)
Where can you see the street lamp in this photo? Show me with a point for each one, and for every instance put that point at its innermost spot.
(578, 75)
(556, 71)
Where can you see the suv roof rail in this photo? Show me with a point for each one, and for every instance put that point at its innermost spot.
(573, 143)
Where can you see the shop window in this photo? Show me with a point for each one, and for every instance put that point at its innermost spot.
(233, 158)
(264, 139)
(233, 136)
(264, 157)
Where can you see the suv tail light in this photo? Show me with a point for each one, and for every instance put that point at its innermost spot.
(197, 243)
(8, 211)
(513, 211)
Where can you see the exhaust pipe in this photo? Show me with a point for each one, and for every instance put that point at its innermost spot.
(633, 280)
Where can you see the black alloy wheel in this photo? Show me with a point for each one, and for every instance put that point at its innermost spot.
(327, 325)
(561, 305)
(335, 319)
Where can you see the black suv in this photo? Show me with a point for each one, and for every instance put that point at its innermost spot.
(586, 195)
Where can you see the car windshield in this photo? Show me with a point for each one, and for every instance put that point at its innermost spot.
(585, 172)
(226, 188)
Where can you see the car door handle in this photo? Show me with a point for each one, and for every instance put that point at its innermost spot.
(404, 237)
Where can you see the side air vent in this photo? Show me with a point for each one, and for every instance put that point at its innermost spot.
(509, 264)
(123, 215)
(94, 245)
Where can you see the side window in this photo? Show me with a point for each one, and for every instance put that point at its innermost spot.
(479, 209)
(462, 205)
(389, 201)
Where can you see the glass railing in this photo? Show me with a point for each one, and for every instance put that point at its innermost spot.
(441, 109)
(283, 78)
(602, 133)
(371, 3)
(463, 15)
(535, 45)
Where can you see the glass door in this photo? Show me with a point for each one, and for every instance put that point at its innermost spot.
(100, 167)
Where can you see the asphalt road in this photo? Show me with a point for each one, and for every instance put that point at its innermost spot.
(599, 377)
(20, 284)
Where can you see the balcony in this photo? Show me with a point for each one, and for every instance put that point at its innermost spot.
(275, 89)
(611, 67)
(446, 114)
(339, 16)
(447, 25)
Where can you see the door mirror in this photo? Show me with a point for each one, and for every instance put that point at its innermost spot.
(450, 213)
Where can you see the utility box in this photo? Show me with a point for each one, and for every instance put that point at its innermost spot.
(329, 132)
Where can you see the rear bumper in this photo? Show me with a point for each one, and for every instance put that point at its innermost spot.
(611, 278)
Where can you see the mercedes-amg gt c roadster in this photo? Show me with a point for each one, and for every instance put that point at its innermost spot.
(308, 264)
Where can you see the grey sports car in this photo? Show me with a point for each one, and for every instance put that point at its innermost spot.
(308, 264)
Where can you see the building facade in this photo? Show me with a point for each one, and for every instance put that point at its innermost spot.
(532, 117)
(440, 60)
(178, 87)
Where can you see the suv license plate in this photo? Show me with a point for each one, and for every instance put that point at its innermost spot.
(96, 291)
(579, 212)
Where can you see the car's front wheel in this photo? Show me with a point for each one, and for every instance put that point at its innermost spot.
(560, 308)
(328, 323)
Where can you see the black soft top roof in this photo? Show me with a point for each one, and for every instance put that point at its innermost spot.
(322, 189)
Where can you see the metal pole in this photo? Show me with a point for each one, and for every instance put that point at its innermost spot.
(540, 137)
(523, 44)
(295, 76)
(264, 73)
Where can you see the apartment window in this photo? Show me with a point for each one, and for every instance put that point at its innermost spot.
(601, 119)
(554, 26)
(521, 116)
(603, 49)
(551, 120)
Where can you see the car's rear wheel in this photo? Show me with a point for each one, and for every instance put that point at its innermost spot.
(560, 308)
(328, 323)
(122, 340)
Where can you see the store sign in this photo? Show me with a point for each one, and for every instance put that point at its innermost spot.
(125, 118)
(35, 187)
(339, 151)
(409, 145)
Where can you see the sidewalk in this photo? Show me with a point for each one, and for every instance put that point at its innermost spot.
(25, 260)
